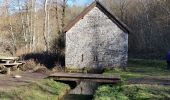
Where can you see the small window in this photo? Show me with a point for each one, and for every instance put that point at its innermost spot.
(82, 58)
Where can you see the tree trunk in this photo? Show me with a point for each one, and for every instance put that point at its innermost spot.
(45, 25)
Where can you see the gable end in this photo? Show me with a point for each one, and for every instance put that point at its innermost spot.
(119, 23)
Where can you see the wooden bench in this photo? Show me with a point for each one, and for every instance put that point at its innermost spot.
(10, 62)
(10, 65)
(8, 59)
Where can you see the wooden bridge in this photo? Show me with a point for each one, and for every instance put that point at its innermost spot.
(78, 77)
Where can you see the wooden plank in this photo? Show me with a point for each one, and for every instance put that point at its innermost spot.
(87, 80)
(10, 64)
(8, 58)
(99, 78)
(85, 76)
(5, 60)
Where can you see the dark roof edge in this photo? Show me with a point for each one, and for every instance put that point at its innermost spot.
(116, 20)
(80, 16)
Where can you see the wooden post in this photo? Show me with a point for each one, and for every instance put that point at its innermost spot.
(18, 69)
(8, 71)
(7, 62)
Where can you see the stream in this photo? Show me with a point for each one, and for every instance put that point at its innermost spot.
(84, 91)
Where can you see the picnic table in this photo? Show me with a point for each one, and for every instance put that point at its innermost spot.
(9, 62)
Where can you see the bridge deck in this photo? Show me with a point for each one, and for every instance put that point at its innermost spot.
(99, 78)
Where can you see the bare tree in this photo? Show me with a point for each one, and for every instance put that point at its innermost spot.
(10, 26)
(64, 5)
(45, 24)
(57, 16)
(123, 4)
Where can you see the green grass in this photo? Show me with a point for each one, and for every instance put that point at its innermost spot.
(133, 92)
(138, 69)
(142, 68)
(42, 90)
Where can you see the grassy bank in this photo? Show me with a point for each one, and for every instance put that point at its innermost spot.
(42, 90)
(133, 92)
(143, 80)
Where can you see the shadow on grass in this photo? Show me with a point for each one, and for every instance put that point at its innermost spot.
(49, 60)
(148, 69)
(147, 66)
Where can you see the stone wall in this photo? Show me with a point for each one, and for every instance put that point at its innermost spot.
(85, 88)
(96, 42)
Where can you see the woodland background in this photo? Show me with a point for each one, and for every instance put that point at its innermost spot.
(35, 26)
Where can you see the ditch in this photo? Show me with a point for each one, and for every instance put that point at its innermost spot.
(84, 91)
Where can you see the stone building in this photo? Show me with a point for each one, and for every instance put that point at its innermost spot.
(96, 39)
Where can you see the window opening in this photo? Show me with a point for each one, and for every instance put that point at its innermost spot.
(82, 58)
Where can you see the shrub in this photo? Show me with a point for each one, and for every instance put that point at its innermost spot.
(29, 65)
(110, 93)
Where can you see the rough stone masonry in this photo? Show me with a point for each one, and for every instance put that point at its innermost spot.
(95, 41)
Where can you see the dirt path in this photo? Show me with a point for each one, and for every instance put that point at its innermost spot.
(8, 81)
(153, 80)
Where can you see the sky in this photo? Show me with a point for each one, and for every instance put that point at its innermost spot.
(76, 2)
(79, 2)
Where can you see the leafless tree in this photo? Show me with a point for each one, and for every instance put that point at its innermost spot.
(11, 31)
